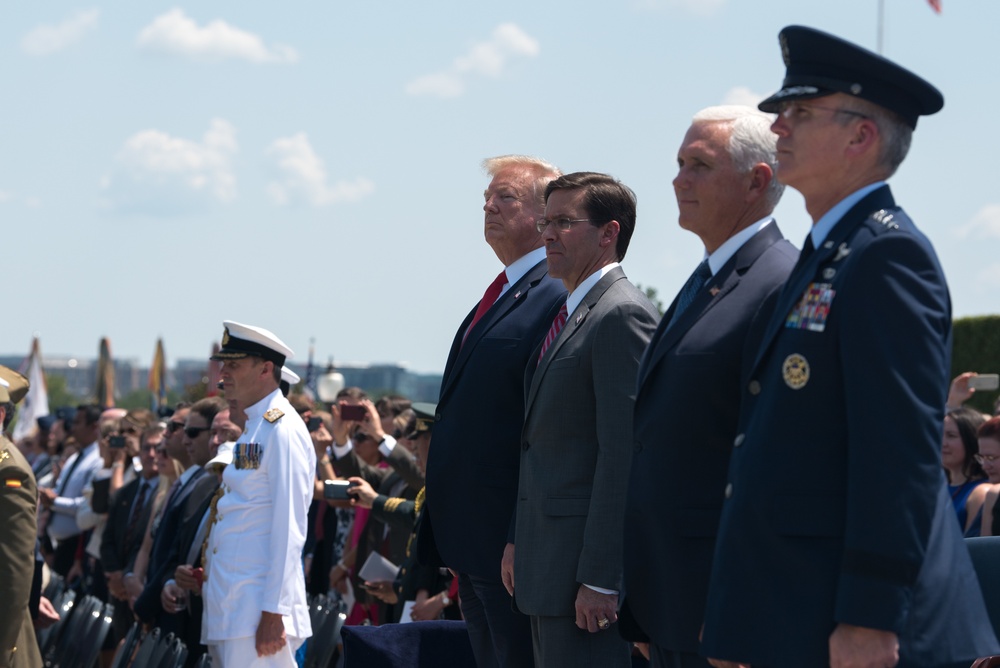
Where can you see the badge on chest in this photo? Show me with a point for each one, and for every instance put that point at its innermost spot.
(246, 456)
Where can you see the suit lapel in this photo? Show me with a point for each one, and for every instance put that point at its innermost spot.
(805, 271)
(723, 282)
(576, 320)
(460, 352)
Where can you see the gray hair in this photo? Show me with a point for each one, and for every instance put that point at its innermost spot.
(895, 133)
(751, 141)
(543, 170)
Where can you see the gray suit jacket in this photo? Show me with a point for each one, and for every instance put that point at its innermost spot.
(576, 450)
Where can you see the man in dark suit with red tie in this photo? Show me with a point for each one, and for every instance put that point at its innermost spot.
(472, 471)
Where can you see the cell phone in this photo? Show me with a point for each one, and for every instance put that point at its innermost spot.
(985, 381)
(313, 424)
(116, 442)
(337, 490)
(353, 412)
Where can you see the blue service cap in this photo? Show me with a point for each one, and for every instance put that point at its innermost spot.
(819, 64)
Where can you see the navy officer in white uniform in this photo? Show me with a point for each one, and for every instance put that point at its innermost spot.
(255, 596)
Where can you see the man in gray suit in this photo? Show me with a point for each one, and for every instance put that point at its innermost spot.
(577, 436)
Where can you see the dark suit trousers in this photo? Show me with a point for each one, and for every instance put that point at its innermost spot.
(660, 657)
(560, 643)
(500, 637)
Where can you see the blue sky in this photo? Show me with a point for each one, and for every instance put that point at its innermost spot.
(313, 168)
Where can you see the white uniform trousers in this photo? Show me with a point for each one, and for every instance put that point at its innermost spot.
(242, 653)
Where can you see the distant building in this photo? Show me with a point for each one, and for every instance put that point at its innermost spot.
(80, 375)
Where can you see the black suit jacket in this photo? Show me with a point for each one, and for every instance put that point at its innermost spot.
(116, 554)
(472, 469)
(686, 412)
(183, 511)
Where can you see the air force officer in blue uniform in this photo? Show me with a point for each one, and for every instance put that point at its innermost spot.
(838, 543)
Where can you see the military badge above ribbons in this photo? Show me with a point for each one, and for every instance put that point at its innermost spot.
(813, 308)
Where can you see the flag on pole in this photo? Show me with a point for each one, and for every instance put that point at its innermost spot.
(935, 5)
(104, 388)
(158, 379)
(36, 403)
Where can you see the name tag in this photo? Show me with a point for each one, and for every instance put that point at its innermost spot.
(813, 308)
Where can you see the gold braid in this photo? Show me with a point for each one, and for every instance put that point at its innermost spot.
(212, 519)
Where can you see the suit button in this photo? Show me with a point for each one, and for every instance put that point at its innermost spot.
(739, 440)
(729, 490)
(754, 387)
(437, 417)
(215, 550)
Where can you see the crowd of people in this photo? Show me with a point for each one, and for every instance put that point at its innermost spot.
(604, 483)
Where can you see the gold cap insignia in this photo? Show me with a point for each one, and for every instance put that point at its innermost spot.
(795, 371)
(225, 337)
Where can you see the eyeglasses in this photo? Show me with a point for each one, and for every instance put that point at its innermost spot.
(192, 432)
(562, 224)
(162, 451)
(174, 426)
(796, 111)
(982, 459)
(128, 431)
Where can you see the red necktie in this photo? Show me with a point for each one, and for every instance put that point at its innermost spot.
(554, 330)
(489, 298)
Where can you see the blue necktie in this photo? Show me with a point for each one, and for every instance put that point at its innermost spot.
(690, 290)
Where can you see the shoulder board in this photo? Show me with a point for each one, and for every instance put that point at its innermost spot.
(883, 219)
(274, 415)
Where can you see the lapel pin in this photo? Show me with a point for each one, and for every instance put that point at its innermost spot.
(713, 291)
(579, 319)
(517, 294)
(842, 252)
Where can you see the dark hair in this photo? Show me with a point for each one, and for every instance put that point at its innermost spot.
(92, 413)
(300, 402)
(990, 429)
(392, 405)
(355, 393)
(607, 199)
(968, 422)
(208, 407)
(8, 407)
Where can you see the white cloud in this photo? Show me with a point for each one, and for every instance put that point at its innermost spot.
(46, 39)
(488, 58)
(303, 178)
(5, 196)
(742, 95)
(697, 7)
(174, 33)
(158, 173)
(984, 225)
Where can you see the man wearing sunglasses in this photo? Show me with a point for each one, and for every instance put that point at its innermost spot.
(189, 491)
